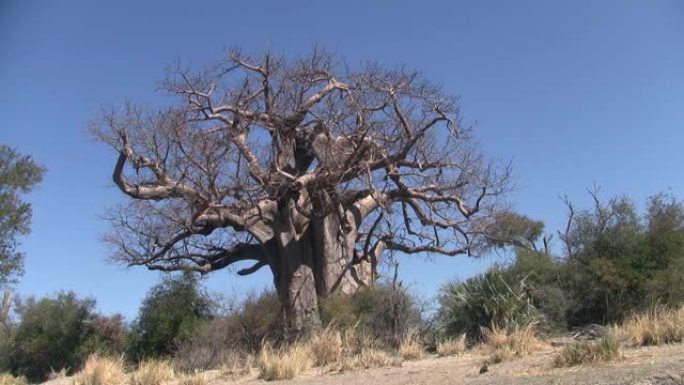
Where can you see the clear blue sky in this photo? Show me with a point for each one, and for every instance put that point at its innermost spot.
(573, 92)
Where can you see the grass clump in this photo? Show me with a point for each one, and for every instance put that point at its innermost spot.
(510, 344)
(283, 364)
(237, 366)
(326, 347)
(410, 347)
(590, 352)
(153, 372)
(8, 379)
(451, 346)
(369, 358)
(659, 325)
(101, 370)
(197, 378)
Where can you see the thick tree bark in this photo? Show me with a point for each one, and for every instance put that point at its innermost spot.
(319, 262)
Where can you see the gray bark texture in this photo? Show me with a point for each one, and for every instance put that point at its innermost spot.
(306, 166)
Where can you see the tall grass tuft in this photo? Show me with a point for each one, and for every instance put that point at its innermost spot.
(101, 370)
(284, 363)
(326, 347)
(410, 347)
(8, 379)
(659, 325)
(197, 378)
(153, 372)
(590, 352)
(451, 346)
(506, 344)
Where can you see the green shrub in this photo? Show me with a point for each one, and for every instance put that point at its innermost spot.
(483, 301)
(385, 312)
(168, 313)
(107, 336)
(50, 334)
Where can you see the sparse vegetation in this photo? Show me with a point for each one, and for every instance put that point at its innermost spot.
(101, 370)
(607, 348)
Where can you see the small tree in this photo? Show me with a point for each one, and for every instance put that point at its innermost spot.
(18, 175)
(170, 311)
(306, 166)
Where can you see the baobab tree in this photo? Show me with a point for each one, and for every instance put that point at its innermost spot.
(307, 166)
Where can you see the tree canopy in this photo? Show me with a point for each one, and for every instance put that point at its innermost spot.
(18, 175)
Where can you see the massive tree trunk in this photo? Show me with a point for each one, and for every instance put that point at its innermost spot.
(316, 261)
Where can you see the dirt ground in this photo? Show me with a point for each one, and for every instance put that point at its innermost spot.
(643, 366)
(662, 365)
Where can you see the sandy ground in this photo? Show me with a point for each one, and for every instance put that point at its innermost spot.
(663, 365)
(642, 366)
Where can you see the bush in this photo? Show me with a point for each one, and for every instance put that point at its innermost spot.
(6, 347)
(107, 336)
(167, 315)
(586, 352)
(51, 335)
(233, 336)
(484, 301)
(388, 313)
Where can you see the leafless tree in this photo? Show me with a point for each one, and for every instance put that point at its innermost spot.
(306, 166)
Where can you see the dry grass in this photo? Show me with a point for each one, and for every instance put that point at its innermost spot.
(237, 366)
(451, 346)
(281, 364)
(100, 370)
(368, 358)
(153, 372)
(510, 344)
(57, 374)
(326, 348)
(660, 325)
(197, 378)
(590, 352)
(410, 347)
(8, 379)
